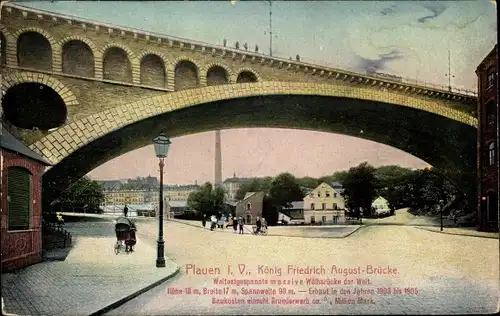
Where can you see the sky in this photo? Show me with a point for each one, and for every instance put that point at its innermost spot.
(404, 38)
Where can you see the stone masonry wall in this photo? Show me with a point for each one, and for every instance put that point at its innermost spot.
(126, 84)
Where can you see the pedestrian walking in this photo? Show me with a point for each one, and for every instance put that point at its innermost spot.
(258, 225)
(204, 220)
(235, 224)
(213, 222)
(222, 221)
(125, 210)
(241, 223)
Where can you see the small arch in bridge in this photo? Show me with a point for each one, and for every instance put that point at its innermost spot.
(246, 76)
(33, 105)
(217, 75)
(77, 59)
(116, 65)
(34, 51)
(153, 72)
(186, 75)
(3, 51)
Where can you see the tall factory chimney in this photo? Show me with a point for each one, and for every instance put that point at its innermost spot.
(218, 160)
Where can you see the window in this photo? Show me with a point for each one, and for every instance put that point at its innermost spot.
(18, 198)
(491, 78)
(491, 153)
(319, 194)
(334, 195)
(313, 220)
(249, 206)
(312, 206)
(327, 194)
(323, 206)
(323, 219)
(334, 206)
(491, 113)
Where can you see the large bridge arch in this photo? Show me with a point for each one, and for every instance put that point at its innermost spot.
(441, 136)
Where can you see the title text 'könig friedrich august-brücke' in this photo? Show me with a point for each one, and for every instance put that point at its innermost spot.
(246, 269)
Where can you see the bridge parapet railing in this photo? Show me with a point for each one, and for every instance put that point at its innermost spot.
(302, 62)
(402, 79)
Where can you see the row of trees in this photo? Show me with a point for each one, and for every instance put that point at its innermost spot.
(419, 189)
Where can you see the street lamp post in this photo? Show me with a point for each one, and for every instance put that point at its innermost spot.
(441, 205)
(161, 144)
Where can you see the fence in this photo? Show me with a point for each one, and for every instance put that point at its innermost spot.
(57, 230)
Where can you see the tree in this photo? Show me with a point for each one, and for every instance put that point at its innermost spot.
(256, 185)
(284, 190)
(206, 200)
(359, 188)
(390, 176)
(308, 182)
(83, 193)
(270, 211)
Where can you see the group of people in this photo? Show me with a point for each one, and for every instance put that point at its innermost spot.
(238, 224)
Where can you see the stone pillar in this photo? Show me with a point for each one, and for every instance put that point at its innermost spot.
(10, 50)
(218, 160)
(202, 77)
(233, 77)
(170, 77)
(57, 58)
(98, 65)
(136, 71)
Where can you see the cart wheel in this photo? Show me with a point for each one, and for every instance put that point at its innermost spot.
(117, 248)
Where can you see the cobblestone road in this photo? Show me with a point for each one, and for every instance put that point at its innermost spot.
(453, 274)
(91, 278)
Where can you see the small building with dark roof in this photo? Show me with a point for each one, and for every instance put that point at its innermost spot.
(21, 218)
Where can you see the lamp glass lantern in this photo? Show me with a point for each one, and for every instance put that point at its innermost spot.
(161, 144)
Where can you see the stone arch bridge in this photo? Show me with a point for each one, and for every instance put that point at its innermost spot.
(83, 92)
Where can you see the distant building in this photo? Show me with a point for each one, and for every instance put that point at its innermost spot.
(293, 214)
(176, 207)
(110, 185)
(487, 161)
(325, 204)
(232, 185)
(143, 191)
(305, 190)
(381, 206)
(21, 216)
(250, 207)
(124, 197)
(229, 207)
(178, 192)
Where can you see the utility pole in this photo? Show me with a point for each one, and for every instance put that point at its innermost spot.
(270, 28)
(449, 71)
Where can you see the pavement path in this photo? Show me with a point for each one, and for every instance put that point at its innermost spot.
(452, 274)
(327, 231)
(91, 278)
